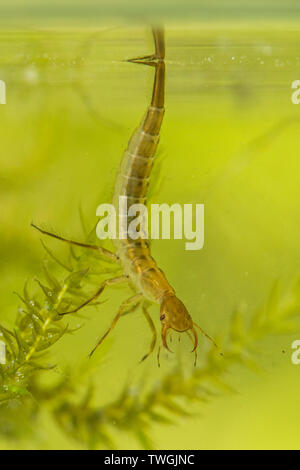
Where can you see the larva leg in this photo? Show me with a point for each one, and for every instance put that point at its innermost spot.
(102, 251)
(132, 300)
(108, 282)
(154, 337)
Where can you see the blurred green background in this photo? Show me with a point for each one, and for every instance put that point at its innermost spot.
(230, 140)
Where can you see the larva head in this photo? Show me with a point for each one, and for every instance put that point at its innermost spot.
(174, 315)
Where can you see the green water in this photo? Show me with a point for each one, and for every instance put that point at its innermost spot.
(230, 140)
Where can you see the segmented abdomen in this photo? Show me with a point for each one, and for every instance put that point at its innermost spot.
(132, 183)
(137, 162)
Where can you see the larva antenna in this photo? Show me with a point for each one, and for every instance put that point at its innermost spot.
(206, 335)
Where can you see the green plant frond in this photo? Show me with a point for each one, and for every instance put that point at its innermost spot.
(83, 222)
(237, 327)
(55, 259)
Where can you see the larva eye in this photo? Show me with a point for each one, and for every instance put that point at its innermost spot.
(163, 317)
